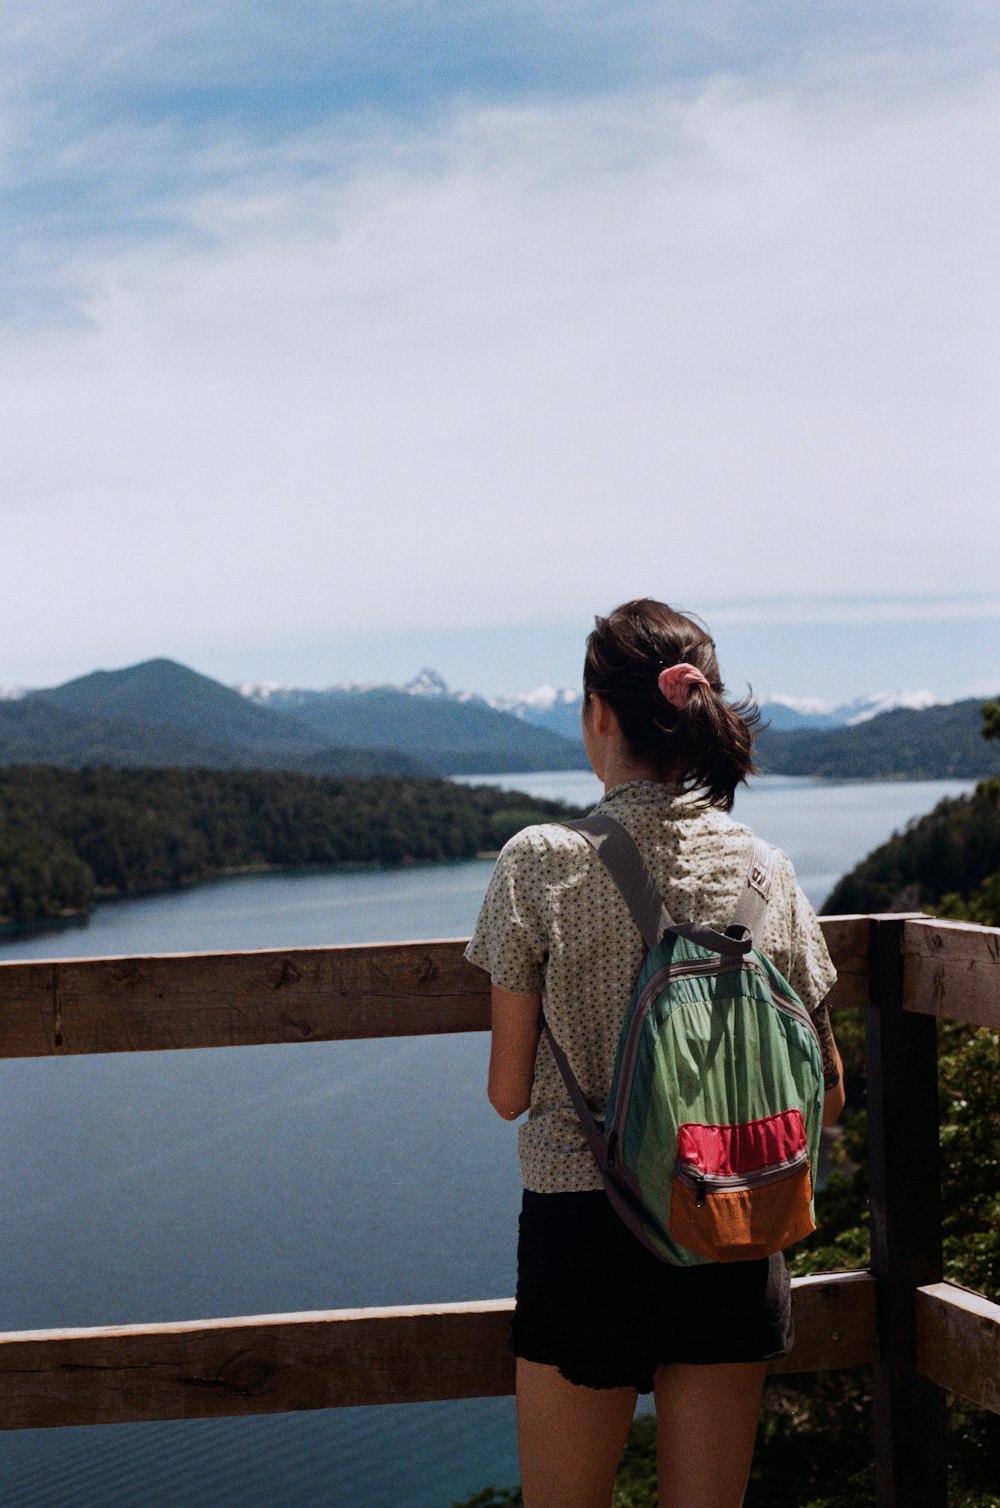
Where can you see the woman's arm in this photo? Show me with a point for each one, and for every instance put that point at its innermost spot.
(516, 1028)
(834, 1099)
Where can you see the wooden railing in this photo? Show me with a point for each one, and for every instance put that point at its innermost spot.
(922, 1334)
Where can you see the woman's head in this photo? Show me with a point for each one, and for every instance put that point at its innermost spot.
(677, 724)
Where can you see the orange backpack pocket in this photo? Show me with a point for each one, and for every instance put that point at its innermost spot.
(742, 1191)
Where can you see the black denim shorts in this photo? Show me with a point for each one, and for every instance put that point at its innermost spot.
(594, 1302)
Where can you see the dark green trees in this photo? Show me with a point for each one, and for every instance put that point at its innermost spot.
(67, 836)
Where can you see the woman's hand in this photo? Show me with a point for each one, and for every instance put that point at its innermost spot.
(516, 1023)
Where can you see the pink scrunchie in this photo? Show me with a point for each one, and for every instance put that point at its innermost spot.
(676, 681)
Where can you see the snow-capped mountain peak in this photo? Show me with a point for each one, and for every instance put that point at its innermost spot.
(783, 712)
(544, 698)
(556, 708)
(806, 706)
(862, 708)
(260, 691)
(428, 683)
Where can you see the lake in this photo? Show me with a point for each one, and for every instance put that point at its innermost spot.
(166, 1186)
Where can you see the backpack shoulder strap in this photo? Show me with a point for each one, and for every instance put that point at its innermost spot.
(752, 904)
(615, 847)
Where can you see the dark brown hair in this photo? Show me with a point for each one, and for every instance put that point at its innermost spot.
(706, 745)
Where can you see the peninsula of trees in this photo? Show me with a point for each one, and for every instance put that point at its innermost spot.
(69, 837)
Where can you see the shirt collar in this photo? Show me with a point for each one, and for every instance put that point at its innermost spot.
(635, 795)
(640, 793)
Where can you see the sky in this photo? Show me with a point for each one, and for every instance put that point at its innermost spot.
(340, 339)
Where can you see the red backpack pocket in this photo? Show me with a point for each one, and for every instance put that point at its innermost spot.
(742, 1191)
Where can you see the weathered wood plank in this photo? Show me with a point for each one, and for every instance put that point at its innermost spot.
(904, 1163)
(834, 1323)
(849, 938)
(28, 995)
(958, 1342)
(269, 1364)
(952, 970)
(239, 999)
(189, 1000)
(182, 1000)
(264, 1364)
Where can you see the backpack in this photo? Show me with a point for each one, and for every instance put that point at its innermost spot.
(709, 1143)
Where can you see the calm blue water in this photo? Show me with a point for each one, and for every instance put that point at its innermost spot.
(825, 826)
(175, 1185)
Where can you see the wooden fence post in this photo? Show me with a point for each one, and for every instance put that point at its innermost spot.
(905, 1185)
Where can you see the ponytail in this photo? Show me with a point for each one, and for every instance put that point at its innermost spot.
(693, 736)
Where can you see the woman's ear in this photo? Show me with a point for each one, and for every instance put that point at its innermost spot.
(602, 716)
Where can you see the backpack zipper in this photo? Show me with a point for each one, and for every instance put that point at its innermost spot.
(714, 1183)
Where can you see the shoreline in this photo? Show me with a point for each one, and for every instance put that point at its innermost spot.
(10, 931)
(68, 919)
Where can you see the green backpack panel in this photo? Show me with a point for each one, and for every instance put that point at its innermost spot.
(710, 1140)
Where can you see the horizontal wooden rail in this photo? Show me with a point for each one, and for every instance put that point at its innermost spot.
(269, 1364)
(958, 1342)
(952, 970)
(181, 1000)
(834, 1315)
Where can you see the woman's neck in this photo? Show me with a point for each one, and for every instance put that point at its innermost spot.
(621, 770)
(611, 758)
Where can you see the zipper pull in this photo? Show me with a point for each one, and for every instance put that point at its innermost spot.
(612, 1144)
(700, 1193)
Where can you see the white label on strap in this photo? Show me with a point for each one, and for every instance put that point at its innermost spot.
(761, 871)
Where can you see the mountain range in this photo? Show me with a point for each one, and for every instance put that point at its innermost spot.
(160, 713)
(558, 709)
(458, 733)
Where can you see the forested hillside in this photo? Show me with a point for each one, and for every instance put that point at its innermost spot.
(947, 862)
(46, 730)
(68, 837)
(168, 716)
(934, 743)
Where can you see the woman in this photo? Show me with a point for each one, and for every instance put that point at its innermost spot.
(599, 1318)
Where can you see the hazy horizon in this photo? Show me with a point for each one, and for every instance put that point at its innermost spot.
(821, 662)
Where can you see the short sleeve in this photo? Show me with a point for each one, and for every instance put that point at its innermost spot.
(811, 973)
(812, 976)
(511, 941)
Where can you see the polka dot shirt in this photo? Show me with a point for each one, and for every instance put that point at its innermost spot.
(554, 924)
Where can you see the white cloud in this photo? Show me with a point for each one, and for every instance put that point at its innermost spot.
(530, 362)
